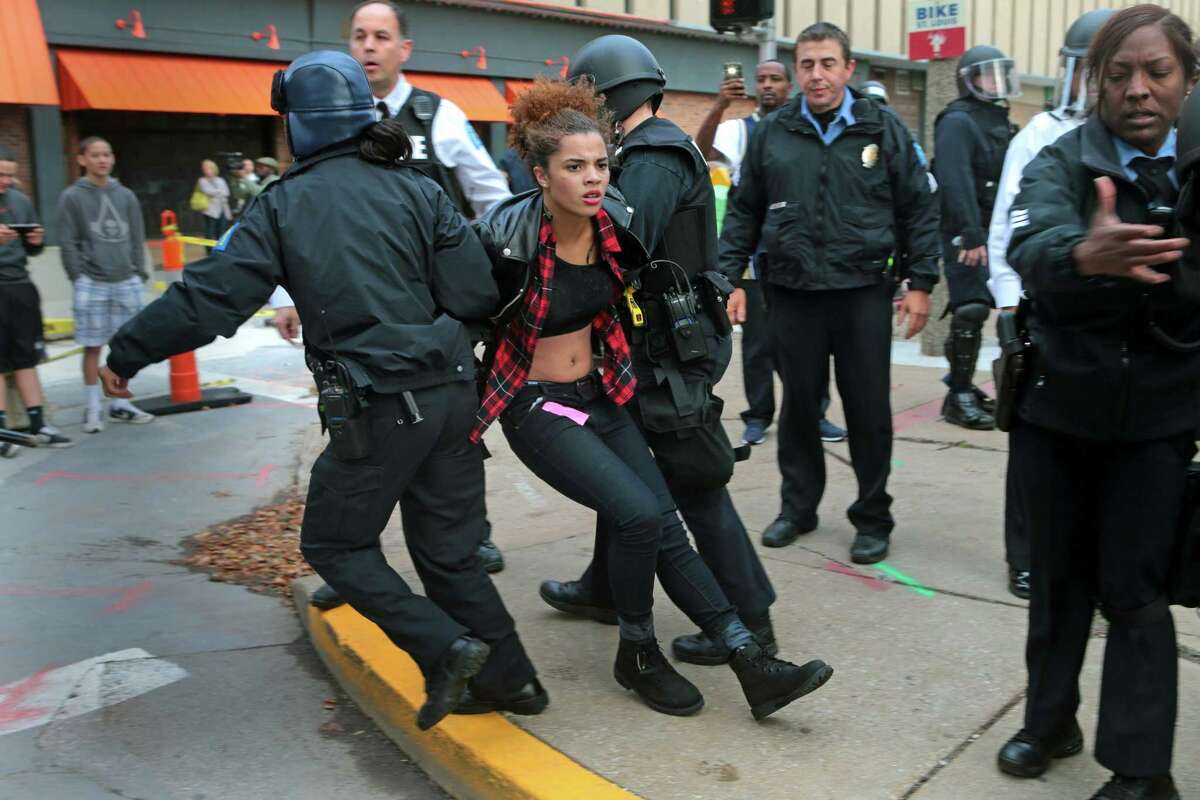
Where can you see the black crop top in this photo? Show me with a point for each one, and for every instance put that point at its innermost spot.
(578, 294)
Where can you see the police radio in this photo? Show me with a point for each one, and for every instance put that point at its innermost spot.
(682, 316)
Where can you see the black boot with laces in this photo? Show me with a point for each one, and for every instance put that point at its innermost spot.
(642, 667)
(771, 683)
(1160, 787)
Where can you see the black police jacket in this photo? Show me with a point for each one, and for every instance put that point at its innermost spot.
(509, 233)
(1099, 373)
(830, 217)
(971, 137)
(665, 177)
(381, 266)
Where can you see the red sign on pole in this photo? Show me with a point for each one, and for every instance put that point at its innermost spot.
(938, 43)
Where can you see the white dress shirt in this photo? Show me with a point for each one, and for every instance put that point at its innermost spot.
(1044, 129)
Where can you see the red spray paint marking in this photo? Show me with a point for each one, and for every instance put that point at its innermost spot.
(127, 598)
(870, 583)
(13, 694)
(260, 477)
(924, 412)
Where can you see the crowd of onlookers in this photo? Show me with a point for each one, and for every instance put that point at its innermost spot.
(102, 239)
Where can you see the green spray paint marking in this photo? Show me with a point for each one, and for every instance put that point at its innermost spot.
(897, 575)
(897, 462)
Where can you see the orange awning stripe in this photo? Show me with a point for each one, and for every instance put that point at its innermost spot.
(114, 81)
(26, 77)
(514, 88)
(477, 97)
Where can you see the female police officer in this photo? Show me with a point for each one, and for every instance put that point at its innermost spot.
(1106, 424)
(382, 269)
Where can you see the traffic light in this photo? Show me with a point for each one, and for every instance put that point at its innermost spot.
(734, 15)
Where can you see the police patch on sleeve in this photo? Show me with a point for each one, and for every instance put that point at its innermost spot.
(223, 242)
(1018, 218)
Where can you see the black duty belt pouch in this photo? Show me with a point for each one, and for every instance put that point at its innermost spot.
(1184, 586)
(714, 290)
(692, 449)
(342, 408)
(1011, 368)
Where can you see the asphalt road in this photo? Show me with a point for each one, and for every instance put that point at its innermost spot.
(125, 675)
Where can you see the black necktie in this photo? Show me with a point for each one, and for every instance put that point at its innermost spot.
(1154, 179)
(382, 108)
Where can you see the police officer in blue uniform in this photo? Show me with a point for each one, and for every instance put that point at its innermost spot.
(386, 340)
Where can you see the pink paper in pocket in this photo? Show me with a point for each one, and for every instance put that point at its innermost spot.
(573, 414)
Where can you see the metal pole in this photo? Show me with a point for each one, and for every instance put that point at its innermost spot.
(766, 40)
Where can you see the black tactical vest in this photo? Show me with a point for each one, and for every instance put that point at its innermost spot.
(417, 117)
(987, 162)
(691, 236)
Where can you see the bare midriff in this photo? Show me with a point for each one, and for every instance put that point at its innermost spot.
(563, 359)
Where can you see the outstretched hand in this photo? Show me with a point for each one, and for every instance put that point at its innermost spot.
(114, 384)
(1121, 249)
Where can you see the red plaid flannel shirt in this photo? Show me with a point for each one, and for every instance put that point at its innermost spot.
(514, 354)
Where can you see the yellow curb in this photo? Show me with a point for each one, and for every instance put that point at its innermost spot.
(483, 757)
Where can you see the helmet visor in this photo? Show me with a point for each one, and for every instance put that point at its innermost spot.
(1071, 86)
(994, 79)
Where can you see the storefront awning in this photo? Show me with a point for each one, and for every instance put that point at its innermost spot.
(115, 81)
(477, 97)
(26, 77)
(513, 89)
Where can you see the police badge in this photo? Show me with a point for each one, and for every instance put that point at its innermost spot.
(870, 155)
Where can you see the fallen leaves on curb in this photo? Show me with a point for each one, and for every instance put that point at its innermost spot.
(260, 551)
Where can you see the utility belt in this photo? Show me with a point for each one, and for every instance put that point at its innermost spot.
(342, 407)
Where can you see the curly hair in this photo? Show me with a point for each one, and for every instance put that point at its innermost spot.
(550, 110)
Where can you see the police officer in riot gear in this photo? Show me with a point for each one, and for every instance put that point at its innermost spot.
(383, 268)
(971, 136)
(681, 344)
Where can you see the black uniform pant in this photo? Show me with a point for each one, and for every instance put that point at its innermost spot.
(1102, 519)
(1016, 538)
(855, 327)
(436, 475)
(606, 465)
(966, 284)
(758, 363)
(711, 517)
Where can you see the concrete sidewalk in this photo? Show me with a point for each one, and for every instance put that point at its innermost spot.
(927, 647)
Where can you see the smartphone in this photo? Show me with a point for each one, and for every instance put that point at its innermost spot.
(733, 70)
(22, 227)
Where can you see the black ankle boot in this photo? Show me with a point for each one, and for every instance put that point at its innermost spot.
(1120, 787)
(446, 684)
(963, 409)
(699, 648)
(325, 598)
(962, 406)
(771, 683)
(642, 667)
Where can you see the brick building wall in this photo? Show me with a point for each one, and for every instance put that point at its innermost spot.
(14, 134)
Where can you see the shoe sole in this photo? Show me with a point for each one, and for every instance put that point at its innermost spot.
(605, 616)
(1017, 771)
(868, 559)
(834, 440)
(134, 421)
(754, 442)
(674, 712)
(492, 569)
(463, 669)
(819, 679)
(713, 661)
(528, 707)
(326, 605)
(97, 429)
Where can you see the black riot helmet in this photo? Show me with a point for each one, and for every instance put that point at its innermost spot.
(1071, 85)
(623, 70)
(327, 99)
(987, 73)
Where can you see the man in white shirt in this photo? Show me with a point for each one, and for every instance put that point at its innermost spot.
(1004, 283)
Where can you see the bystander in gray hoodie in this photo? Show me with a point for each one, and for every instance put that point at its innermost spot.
(15, 209)
(101, 232)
